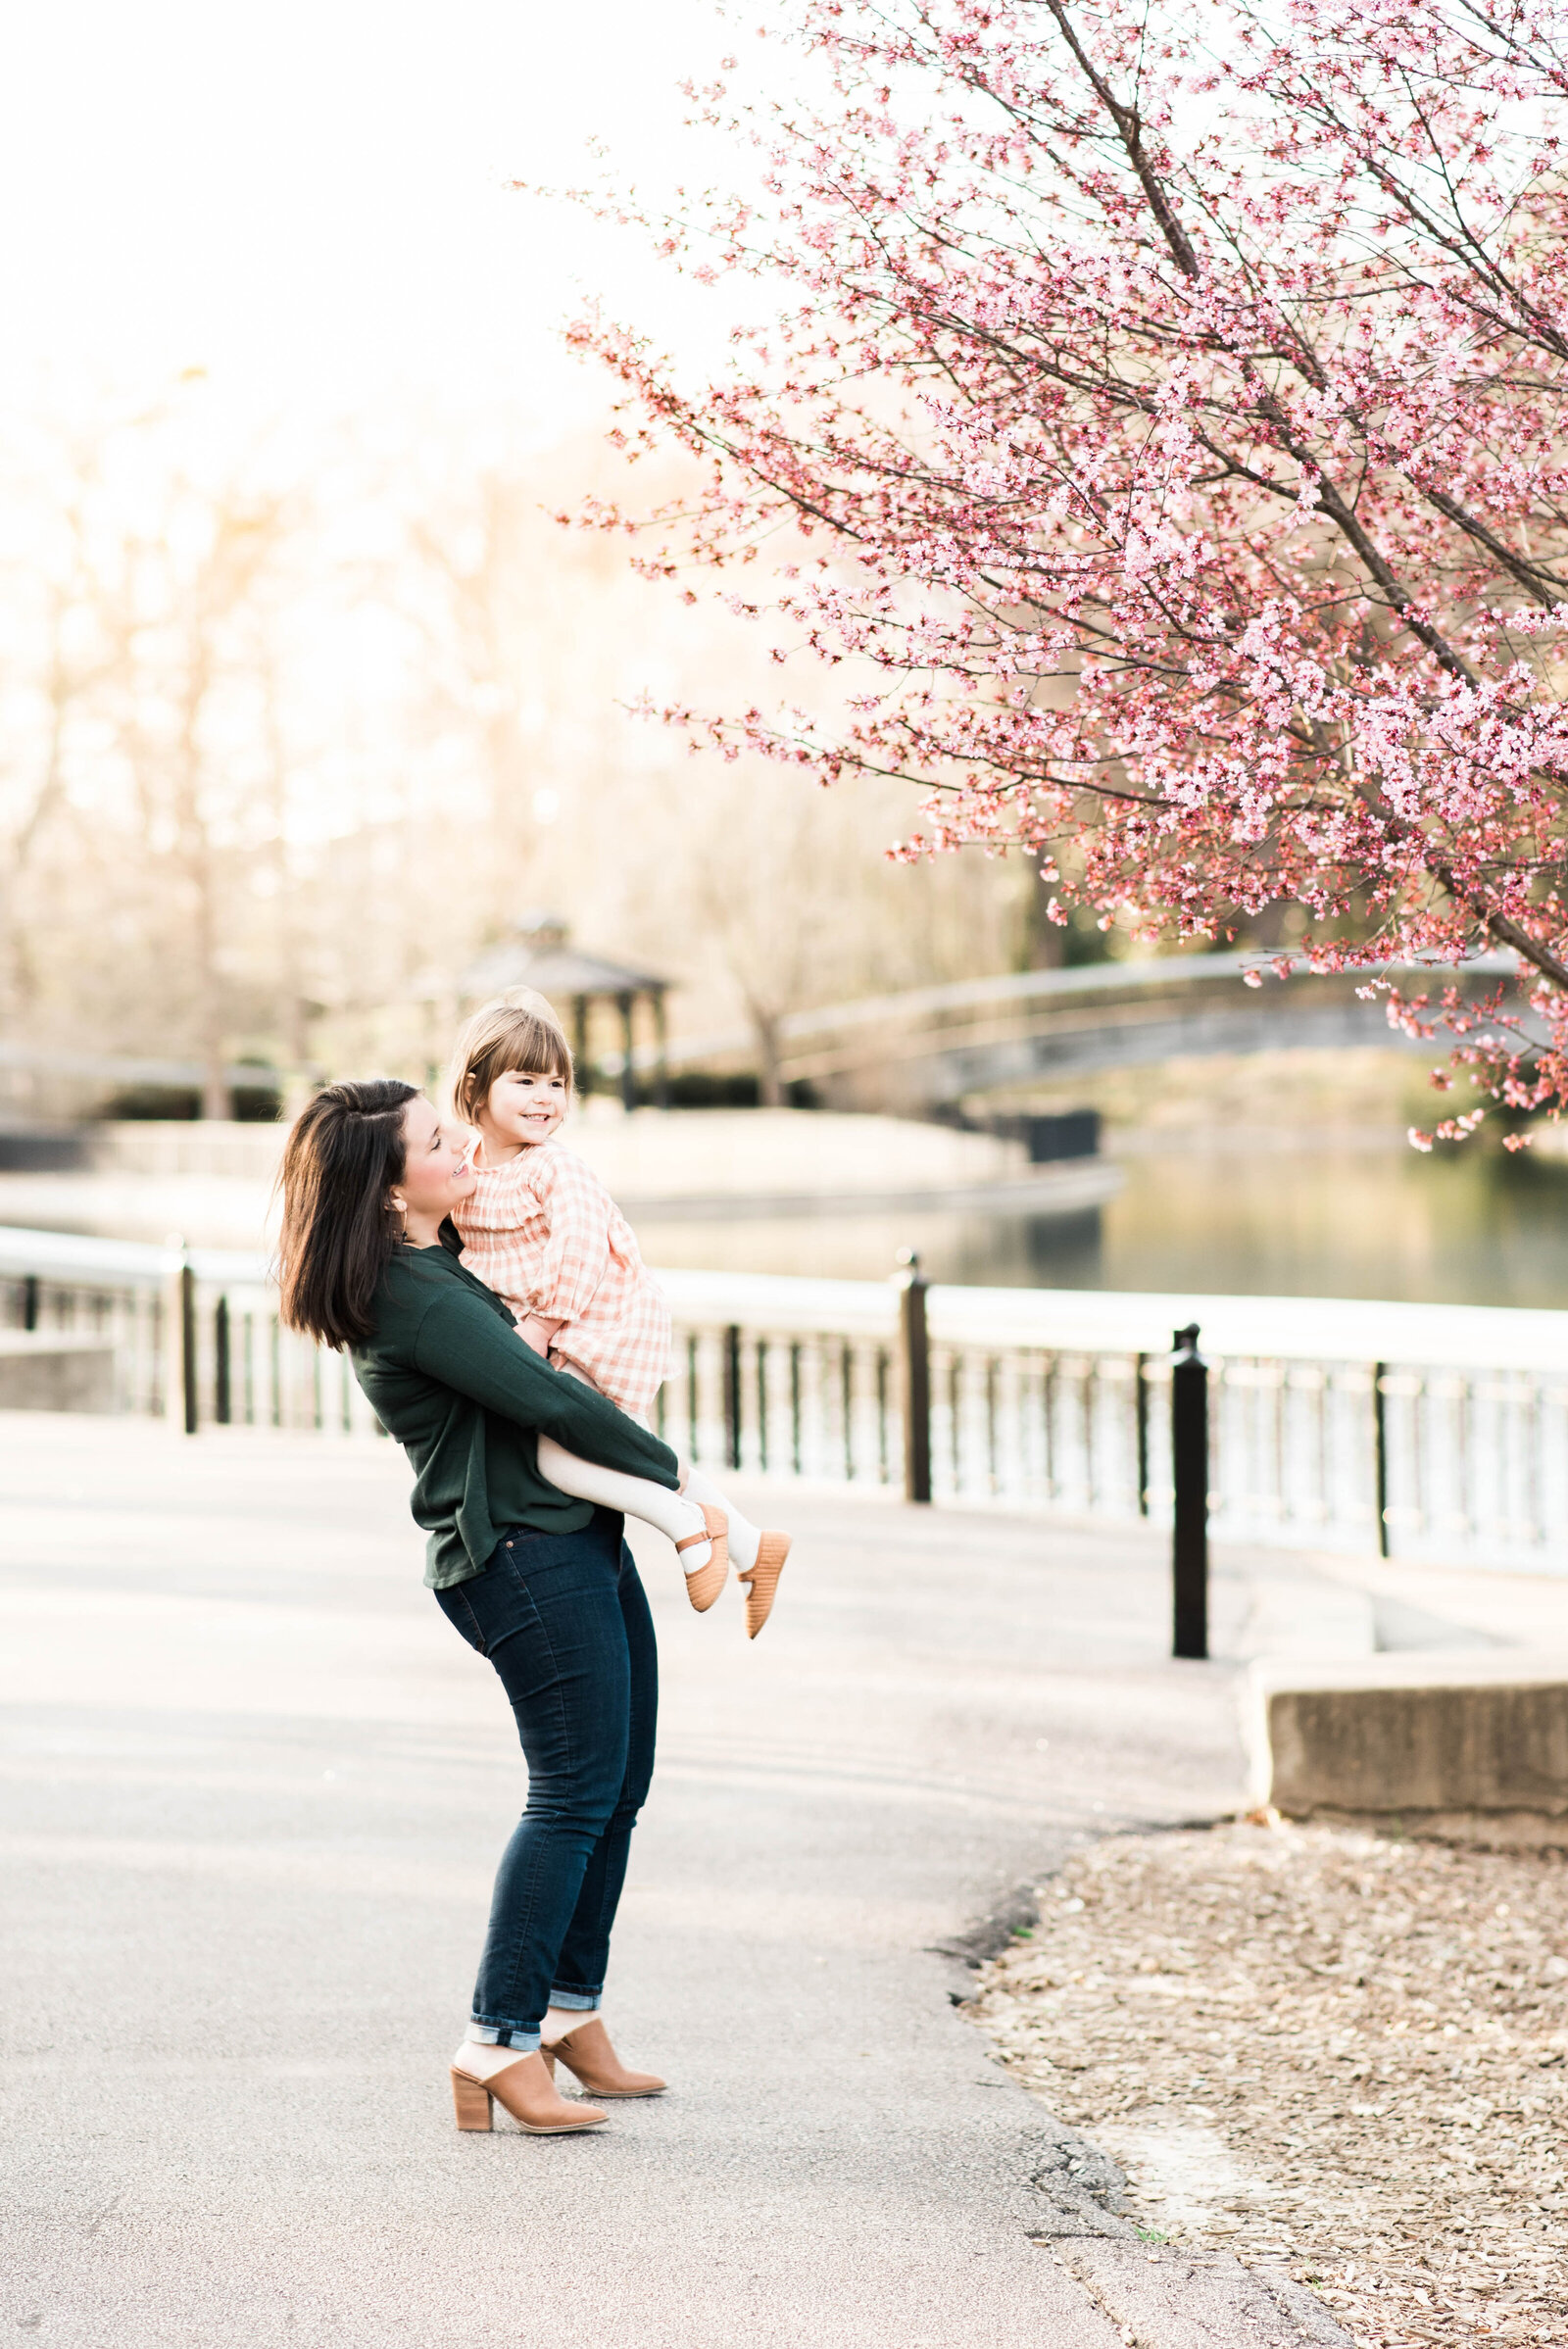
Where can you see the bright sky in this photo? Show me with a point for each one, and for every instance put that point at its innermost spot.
(308, 198)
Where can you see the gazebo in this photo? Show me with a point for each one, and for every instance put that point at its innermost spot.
(539, 953)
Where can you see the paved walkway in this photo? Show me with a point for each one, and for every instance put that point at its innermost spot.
(252, 1792)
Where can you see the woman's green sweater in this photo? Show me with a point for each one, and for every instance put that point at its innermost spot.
(449, 1377)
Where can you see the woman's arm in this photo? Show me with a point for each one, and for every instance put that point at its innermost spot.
(466, 1347)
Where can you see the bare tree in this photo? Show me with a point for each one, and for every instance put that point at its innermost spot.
(190, 698)
(278, 771)
(57, 575)
(803, 910)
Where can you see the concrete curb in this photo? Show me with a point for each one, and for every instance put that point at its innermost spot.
(1178, 2299)
(1163, 2296)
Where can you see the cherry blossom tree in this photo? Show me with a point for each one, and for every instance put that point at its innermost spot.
(1161, 416)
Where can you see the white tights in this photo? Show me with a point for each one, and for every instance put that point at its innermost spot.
(743, 1537)
(675, 1514)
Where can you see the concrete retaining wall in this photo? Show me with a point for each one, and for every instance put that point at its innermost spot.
(1421, 1738)
(45, 1370)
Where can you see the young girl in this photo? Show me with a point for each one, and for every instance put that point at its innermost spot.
(541, 1230)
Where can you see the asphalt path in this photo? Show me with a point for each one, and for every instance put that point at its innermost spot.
(254, 1788)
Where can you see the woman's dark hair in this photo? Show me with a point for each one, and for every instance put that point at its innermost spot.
(340, 1228)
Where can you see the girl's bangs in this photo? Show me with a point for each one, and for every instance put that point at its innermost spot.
(534, 1048)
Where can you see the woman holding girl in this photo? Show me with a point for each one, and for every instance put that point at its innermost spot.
(534, 1575)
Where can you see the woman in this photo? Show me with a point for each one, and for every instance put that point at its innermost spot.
(541, 1584)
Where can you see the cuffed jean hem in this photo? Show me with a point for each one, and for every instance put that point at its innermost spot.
(577, 2002)
(504, 2034)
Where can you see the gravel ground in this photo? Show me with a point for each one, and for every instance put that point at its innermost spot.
(1346, 2049)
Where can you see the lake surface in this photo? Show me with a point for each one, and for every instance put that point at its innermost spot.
(1263, 1216)
(1459, 1227)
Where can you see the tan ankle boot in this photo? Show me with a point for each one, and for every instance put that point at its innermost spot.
(528, 2092)
(588, 2053)
(763, 1581)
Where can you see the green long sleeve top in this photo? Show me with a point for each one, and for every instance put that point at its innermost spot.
(447, 1374)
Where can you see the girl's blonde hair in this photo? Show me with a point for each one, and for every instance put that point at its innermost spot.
(516, 1031)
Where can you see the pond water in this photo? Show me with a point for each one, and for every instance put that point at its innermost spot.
(1265, 1215)
(1460, 1226)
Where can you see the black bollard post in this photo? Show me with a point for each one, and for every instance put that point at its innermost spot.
(190, 1390)
(222, 1400)
(1188, 1451)
(1380, 1455)
(732, 1396)
(914, 1379)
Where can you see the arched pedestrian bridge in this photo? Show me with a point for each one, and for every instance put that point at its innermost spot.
(915, 1051)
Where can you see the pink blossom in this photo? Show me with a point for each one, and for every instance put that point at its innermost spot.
(1208, 364)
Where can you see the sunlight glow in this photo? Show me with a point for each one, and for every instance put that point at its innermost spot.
(311, 201)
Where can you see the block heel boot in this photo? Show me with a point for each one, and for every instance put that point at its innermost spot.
(588, 2054)
(527, 2091)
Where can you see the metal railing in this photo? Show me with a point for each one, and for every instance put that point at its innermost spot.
(1423, 1432)
(195, 1331)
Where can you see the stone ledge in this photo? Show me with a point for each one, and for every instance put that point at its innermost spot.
(54, 1370)
(1440, 1743)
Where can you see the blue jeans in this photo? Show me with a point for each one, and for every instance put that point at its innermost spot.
(564, 1621)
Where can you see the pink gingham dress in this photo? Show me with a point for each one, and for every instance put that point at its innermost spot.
(546, 1235)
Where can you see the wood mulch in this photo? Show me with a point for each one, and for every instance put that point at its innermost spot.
(1342, 2049)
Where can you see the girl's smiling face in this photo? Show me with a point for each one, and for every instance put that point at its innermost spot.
(524, 1109)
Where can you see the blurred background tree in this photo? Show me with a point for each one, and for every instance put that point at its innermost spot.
(284, 759)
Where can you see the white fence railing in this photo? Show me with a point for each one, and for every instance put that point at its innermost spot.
(1428, 1431)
